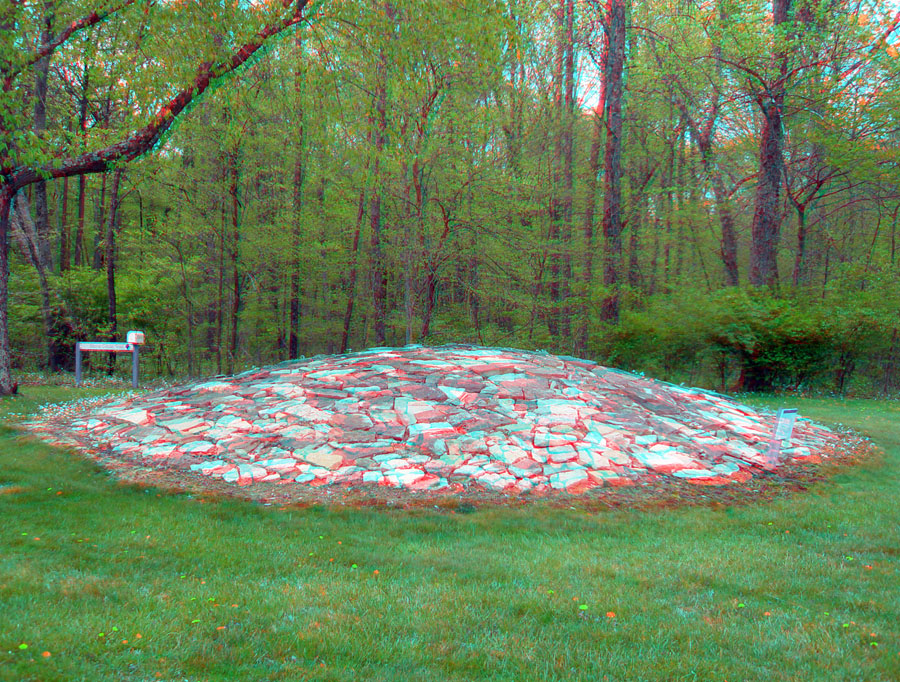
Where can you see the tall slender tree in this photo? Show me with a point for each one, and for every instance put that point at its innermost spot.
(612, 164)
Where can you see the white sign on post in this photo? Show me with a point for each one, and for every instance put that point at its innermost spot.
(784, 429)
(132, 345)
(110, 346)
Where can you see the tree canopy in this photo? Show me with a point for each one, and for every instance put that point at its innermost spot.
(707, 190)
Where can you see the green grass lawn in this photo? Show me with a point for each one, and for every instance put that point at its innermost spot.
(123, 583)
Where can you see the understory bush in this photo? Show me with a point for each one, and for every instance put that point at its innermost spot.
(752, 340)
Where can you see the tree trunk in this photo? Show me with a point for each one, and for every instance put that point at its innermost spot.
(406, 248)
(297, 232)
(28, 239)
(80, 256)
(766, 217)
(378, 274)
(220, 299)
(766, 211)
(728, 248)
(111, 261)
(587, 257)
(235, 271)
(431, 268)
(568, 163)
(556, 232)
(799, 276)
(379, 277)
(65, 253)
(587, 229)
(634, 229)
(408, 303)
(354, 269)
(728, 243)
(612, 166)
(42, 70)
(79, 230)
(7, 386)
(100, 227)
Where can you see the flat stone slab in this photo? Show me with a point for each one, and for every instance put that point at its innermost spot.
(435, 418)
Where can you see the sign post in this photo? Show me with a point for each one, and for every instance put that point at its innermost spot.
(132, 345)
(784, 429)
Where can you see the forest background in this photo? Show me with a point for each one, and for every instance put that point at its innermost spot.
(705, 191)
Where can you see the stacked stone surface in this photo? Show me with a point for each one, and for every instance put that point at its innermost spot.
(436, 419)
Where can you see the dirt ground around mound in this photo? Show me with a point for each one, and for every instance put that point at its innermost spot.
(655, 492)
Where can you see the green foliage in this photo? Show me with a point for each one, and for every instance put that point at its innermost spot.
(761, 341)
(469, 177)
(776, 342)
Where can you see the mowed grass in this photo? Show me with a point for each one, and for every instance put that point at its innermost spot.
(106, 582)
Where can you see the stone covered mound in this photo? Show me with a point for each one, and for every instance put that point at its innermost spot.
(443, 418)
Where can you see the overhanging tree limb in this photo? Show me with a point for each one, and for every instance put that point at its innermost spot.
(143, 140)
(75, 26)
(137, 143)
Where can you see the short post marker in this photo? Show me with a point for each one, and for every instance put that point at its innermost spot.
(784, 429)
(78, 363)
(136, 339)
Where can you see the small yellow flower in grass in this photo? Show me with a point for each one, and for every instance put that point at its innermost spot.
(610, 614)
(46, 654)
(375, 572)
(138, 636)
(221, 627)
(767, 613)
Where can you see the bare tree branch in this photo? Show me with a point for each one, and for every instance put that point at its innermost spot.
(143, 140)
